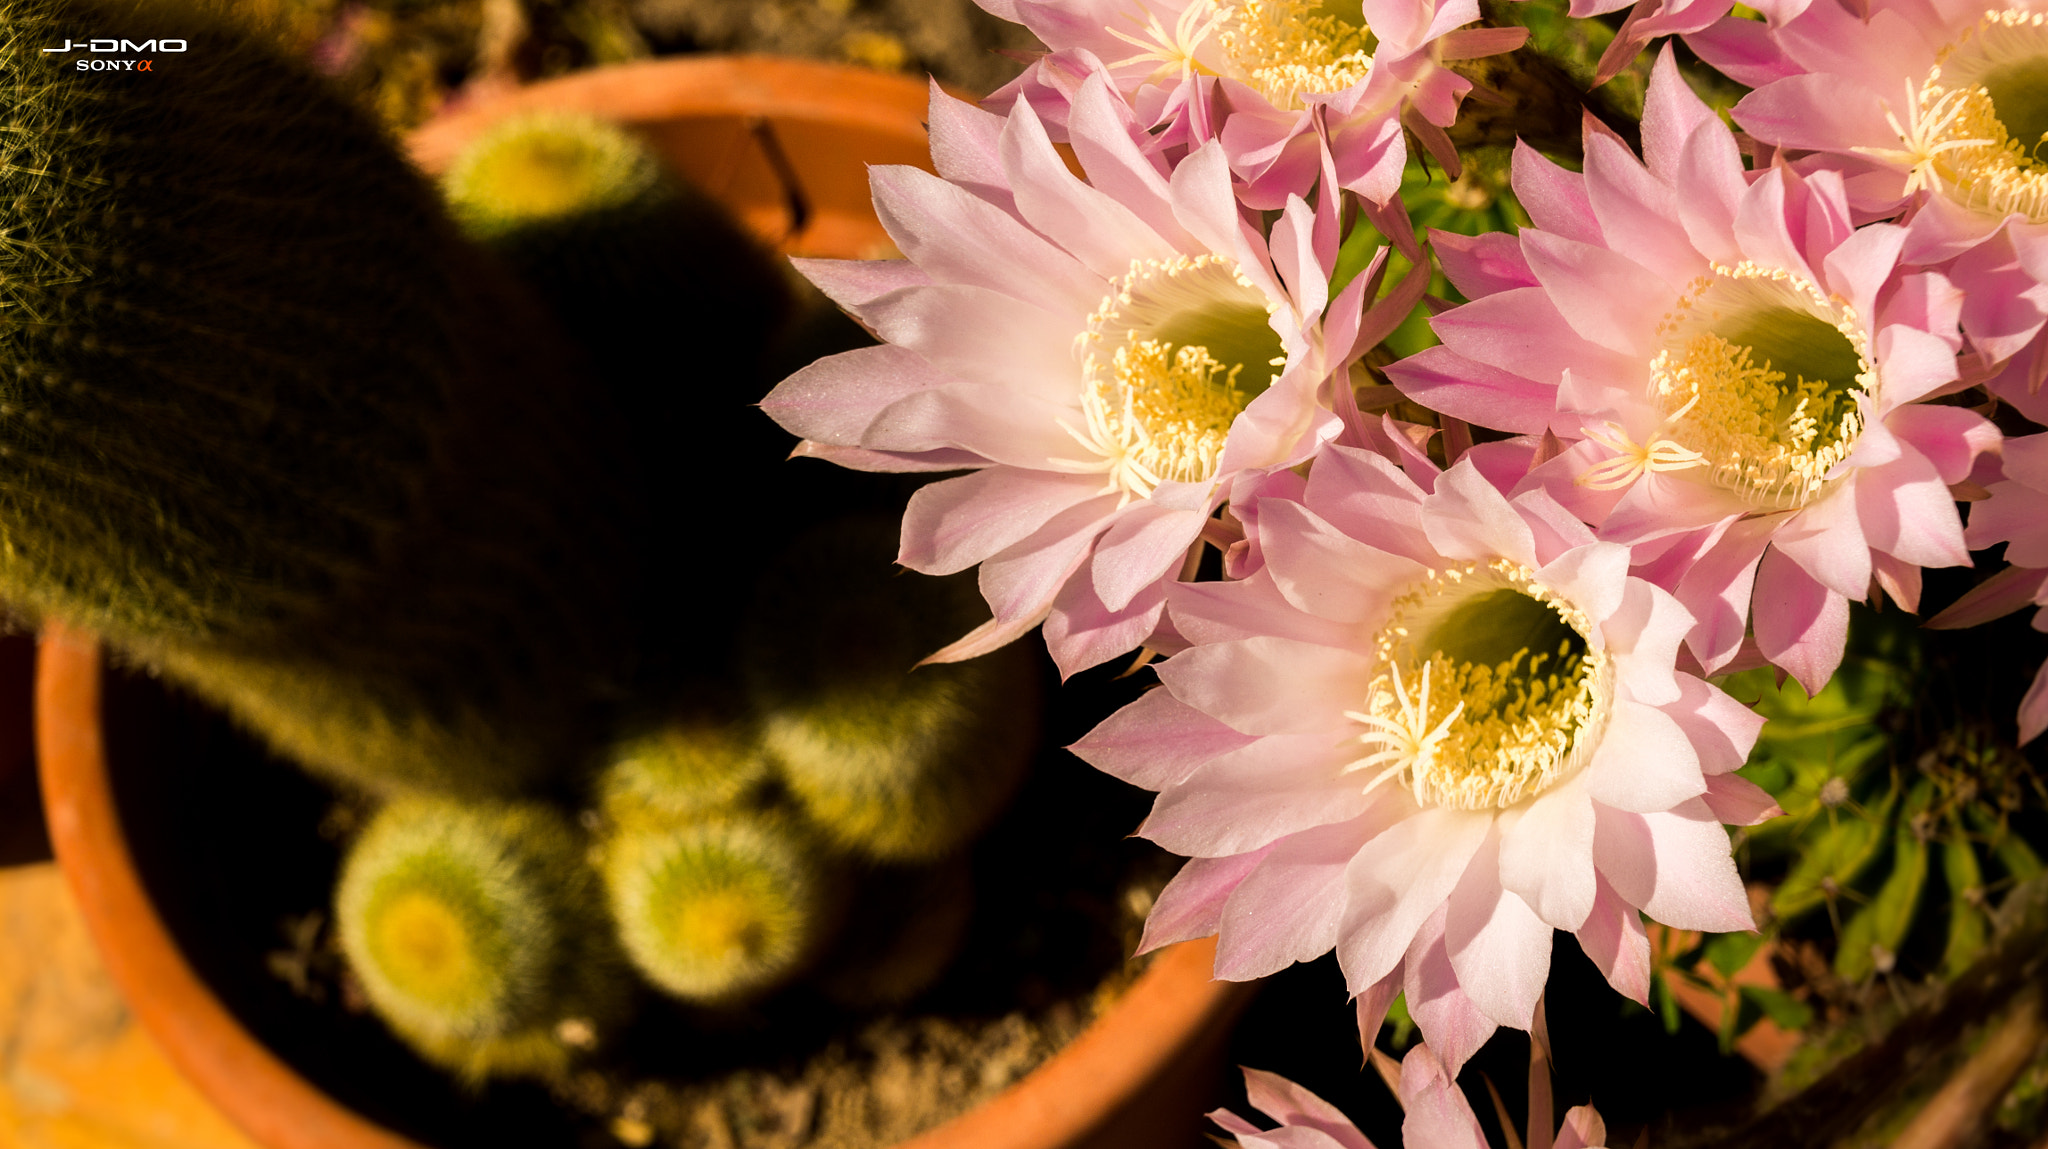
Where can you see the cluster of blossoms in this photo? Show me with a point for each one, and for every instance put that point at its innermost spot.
(1446, 699)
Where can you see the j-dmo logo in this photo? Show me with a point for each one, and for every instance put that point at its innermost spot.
(88, 63)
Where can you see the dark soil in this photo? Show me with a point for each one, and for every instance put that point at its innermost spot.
(239, 852)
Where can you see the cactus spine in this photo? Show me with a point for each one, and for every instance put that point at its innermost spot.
(473, 932)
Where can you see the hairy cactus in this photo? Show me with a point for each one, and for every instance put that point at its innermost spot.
(896, 763)
(680, 770)
(268, 423)
(715, 911)
(475, 934)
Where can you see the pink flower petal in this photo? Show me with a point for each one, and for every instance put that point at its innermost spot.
(1191, 905)
(1672, 115)
(951, 525)
(1950, 437)
(1100, 232)
(965, 148)
(1243, 800)
(1907, 511)
(1157, 741)
(1482, 264)
(852, 283)
(1450, 384)
(1297, 1108)
(1614, 938)
(1554, 197)
(1826, 537)
(835, 399)
(1497, 945)
(1638, 215)
(1546, 856)
(1397, 881)
(1644, 762)
(1451, 1024)
(1523, 333)
(1582, 1129)
(1607, 290)
(1438, 1114)
(1674, 864)
(1737, 801)
(1081, 632)
(1101, 131)
(1995, 597)
(956, 237)
(985, 337)
(1801, 626)
(1147, 545)
(1710, 169)
(1271, 685)
(1644, 633)
(1721, 728)
(2034, 707)
(1717, 590)
(1288, 909)
(1326, 573)
(1467, 518)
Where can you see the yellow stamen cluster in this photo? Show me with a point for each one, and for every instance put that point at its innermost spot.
(1769, 436)
(1956, 143)
(1288, 49)
(1478, 735)
(1155, 409)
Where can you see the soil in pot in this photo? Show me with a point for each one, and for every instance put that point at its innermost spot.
(239, 851)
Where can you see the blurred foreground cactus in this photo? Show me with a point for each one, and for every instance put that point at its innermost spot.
(272, 428)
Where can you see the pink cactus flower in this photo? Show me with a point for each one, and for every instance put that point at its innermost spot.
(2016, 514)
(1103, 354)
(1740, 372)
(1936, 106)
(1285, 84)
(1437, 1114)
(1432, 725)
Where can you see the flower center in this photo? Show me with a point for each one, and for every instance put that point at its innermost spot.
(1489, 692)
(1177, 348)
(1761, 381)
(1979, 125)
(1289, 49)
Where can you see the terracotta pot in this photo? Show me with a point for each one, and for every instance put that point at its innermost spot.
(1139, 1076)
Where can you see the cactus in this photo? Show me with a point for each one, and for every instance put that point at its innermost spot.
(268, 425)
(683, 769)
(719, 910)
(894, 763)
(474, 933)
(678, 308)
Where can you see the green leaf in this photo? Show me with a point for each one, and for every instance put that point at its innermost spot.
(1836, 852)
(1781, 1007)
(1665, 1002)
(1404, 1025)
(1884, 922)
(1968, 925)
(1730, 952)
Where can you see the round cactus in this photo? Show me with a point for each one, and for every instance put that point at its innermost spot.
(889, 759)
(715, 911)
(680, 770)
(547, 166)
(473, 933)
